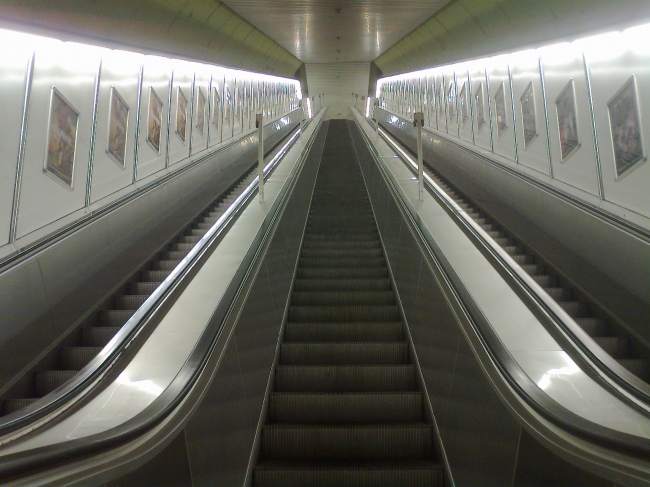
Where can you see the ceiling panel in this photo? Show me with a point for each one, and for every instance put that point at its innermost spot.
(203, 30)
(325, 31)
(468, 29)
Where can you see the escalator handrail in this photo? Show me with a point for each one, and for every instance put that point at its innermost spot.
(17, 464)
(15, 425)
(492, 345)
(557, 321)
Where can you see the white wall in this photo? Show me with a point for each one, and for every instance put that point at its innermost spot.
(602, 78)
(37, 74)
(338, 81)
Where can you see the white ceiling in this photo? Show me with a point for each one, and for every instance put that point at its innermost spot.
(309, 28)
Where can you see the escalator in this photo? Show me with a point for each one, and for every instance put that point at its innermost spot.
(347, 408)
(116, 311)
(618, 339)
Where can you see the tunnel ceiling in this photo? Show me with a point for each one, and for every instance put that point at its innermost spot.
(467, 29)
(326, 31)
(204, 30)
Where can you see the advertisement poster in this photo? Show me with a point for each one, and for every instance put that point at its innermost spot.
(625, 125)
(500, 103)
(528, 115)
(61, 140)
(228, 109)
(181, 114)
(154, 124)
(200, 111)
(464, 109)
(117, 128)
(567, 121)
(216, 106)
(480, 107)
(451, 101)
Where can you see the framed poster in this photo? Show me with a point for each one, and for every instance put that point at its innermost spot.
(227, 108)
(451, 100)
(500, 103)
(61, 140)
(480, 107)
(625, 127)
(462, 100)
(118, 121)
(528, 115)
(216, 106)
(567, 121)
(181, 114)
(441, 102)
(200, 111)
(154, 124)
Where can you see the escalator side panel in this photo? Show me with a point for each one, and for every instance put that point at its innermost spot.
(221, 434)
(483, 443)
(47, 297)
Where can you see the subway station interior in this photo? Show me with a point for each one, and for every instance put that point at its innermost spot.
(325, 243)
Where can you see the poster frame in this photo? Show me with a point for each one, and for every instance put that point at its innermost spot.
(153, 93)
(631, 82)
(114, 92)
(530, 89)
(51, 174)
(570, 87)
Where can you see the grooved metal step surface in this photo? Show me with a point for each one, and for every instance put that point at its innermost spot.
(345, 409)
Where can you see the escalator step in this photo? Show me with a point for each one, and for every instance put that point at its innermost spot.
(76, 358)
(617, 347)
(338, 253)
(305, 314)
(189, 239)
(545, 280)
(303, 285)
(346, 442)
(593, 326)
(174, 254)
(393, 407)
(342, 236)
(196, 232)
(342, 273)
(559, 293)
(575, 309)
(130, 301)
(165, 265)
(533, 269)
(343, 332)
(114, 317)
(344, 378)
(341, 244)
(98, 336)
(342, 353)
(342, 298)
(12, 405)
(145, 288)
(154, 275)
(48, 380)
(638, 367)
(523, 259)
(342, 262)
(182, 246)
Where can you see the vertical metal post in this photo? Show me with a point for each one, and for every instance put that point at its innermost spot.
(419, 122)
(260, 154)
(302, 116)
(93, 137)
(374, 114)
